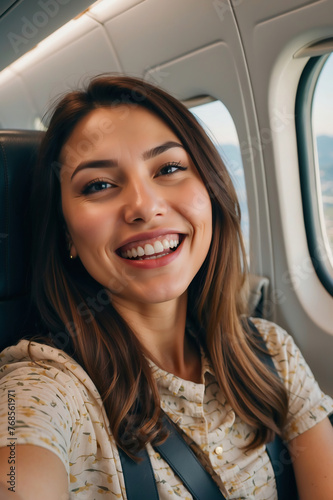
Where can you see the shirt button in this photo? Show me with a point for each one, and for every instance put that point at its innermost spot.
(218, 450)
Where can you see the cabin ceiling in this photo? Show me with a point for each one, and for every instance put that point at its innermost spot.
(161, 40)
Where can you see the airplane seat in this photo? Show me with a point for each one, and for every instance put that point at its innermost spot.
(18, 152)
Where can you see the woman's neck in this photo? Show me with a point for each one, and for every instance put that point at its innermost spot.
(160, 329)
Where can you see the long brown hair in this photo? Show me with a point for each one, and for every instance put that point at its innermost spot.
(75, 309)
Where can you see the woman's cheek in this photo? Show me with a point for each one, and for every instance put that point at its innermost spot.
(196, 201)
(90, 226)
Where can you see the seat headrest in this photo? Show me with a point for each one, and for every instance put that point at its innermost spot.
(18, 153)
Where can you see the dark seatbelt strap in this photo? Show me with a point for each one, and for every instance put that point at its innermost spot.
(185, 464)
(176, 452)
(138, 476)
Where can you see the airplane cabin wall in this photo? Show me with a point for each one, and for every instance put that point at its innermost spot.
(271, 38)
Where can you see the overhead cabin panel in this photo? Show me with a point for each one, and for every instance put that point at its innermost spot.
(155, 32)
(106, 11)
(70, 67)
(306, 22)
(260, 10)
(24, 24)
(6, 5)
(205, 68)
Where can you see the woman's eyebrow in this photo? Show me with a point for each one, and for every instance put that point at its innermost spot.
(94, 164)
(151, 153)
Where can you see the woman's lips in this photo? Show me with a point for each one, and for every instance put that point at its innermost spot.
(150, 248)
(157, 259)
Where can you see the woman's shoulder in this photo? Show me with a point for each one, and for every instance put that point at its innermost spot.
(41, 373)
(276, 338)
(34, 354)
(51, 365)
(308, 405)
(287, 358)
(24, 348)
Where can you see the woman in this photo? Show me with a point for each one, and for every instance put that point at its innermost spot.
(138, 267)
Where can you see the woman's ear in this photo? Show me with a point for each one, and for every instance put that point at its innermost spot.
(71, 247)
(72, 251)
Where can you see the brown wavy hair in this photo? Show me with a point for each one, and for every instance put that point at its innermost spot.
(75, 310)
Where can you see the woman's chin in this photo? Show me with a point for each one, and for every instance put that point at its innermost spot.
(158, 294)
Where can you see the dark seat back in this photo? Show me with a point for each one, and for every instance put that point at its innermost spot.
(18, 153)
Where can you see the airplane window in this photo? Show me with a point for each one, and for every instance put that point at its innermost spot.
(219, 125)
(314, 126)
(322, 126)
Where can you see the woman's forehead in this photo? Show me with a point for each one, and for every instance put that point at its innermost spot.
(124, 129)
(124, 116)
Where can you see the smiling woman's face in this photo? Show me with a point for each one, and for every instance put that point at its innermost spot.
(137, 212)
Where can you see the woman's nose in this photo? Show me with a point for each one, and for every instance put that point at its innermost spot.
(143, 202)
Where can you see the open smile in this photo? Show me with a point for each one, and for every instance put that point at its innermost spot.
(152, 249)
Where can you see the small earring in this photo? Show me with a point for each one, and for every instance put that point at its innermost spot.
(71, 256)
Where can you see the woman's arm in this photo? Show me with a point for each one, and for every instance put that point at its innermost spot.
(312, 454)
(38, 474)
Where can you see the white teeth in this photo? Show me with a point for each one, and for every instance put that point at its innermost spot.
(158, 247)
(150, 249)
(140, 251)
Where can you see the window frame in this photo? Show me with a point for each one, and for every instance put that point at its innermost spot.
(309, 170)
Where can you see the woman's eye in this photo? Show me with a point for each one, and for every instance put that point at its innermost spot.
(170, 168)
(96, 187)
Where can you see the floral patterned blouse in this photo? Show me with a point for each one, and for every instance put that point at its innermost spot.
(58, 407)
